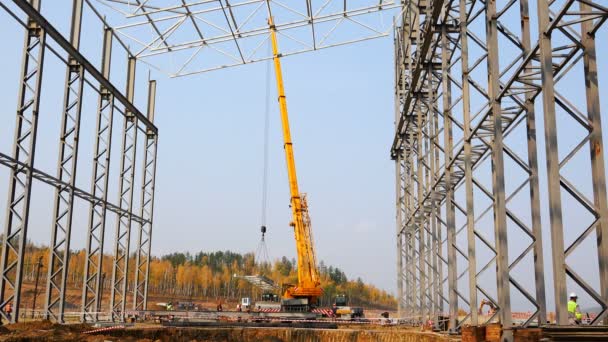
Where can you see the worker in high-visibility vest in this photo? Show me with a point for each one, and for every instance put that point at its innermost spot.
(574, 312)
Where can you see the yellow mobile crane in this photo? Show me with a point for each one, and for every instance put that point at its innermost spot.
(305, 293)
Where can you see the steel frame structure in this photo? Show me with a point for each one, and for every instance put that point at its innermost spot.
(306, 26)
(41, 38)
(470, 75)
(458, 97)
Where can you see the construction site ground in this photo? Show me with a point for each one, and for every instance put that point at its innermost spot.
(47, 331)
(74, 299)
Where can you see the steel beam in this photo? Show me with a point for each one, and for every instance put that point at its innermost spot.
(11, 162)
(427, 28)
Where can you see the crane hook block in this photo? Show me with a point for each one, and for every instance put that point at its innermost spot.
(263, 229)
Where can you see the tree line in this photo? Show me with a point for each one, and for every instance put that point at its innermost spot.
(210, 275)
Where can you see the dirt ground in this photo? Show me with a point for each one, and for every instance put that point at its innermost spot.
(47, 331)
(43, 331)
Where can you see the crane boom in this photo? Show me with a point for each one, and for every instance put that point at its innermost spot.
(308, 276)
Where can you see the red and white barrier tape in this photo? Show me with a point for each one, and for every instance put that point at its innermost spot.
(116, 327)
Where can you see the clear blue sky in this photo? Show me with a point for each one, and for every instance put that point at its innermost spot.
(210, 164)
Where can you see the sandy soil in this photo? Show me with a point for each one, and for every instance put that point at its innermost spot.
(47, 331)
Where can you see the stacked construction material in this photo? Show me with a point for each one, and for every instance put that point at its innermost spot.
(575, 333)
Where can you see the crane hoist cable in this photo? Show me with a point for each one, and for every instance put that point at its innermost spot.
(262, 250)
(261, 253)
(266, 137)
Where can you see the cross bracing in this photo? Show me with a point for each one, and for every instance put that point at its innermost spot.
(472, 79)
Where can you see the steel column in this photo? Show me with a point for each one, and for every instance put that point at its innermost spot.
(596, 148)
(144, 237)
(400, 246)
(93, 270)
(120, 267)
(399, 193)
(450, 225)
(411, 233)
(436, 227)
(539, 273)
(421, 220)
(498, 176)
(468, 165)
(431, 241)
(20, 183)
(59, 253)
(555, 202)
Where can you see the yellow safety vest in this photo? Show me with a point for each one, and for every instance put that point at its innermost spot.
(572, 309)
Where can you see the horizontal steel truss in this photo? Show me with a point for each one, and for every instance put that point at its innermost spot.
(438, 59)
(233, 29)
(78, 71)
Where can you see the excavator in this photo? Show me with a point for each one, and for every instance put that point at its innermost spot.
(490, 305)
(303, 295)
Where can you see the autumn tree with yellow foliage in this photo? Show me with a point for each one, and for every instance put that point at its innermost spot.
(209, 276)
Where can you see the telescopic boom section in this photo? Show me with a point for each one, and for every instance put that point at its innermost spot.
(308, 275)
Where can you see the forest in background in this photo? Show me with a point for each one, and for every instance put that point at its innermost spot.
(209, 276)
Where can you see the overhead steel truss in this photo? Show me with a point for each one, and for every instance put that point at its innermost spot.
(42, 38)
(207, 35)
(468, 76)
